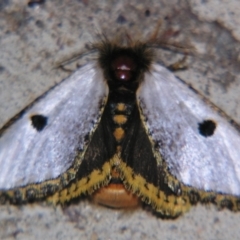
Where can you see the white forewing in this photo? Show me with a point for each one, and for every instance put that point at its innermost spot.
(172, 113)
(72, 107)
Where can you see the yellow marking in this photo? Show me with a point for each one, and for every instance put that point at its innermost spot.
(169, 205)
(114, 173)
(213, 197)
(119, 134)
(121, 107)
(37, 188)
(120, 119)
(86, 185)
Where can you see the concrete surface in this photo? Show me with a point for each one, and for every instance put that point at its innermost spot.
(33, 39)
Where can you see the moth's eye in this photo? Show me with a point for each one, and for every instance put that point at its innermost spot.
(207, 128)
(38, 122)
(123, 67)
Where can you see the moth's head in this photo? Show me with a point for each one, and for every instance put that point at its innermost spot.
(124, 64)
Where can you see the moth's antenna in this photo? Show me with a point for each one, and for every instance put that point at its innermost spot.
(161, 39)
(77, 56)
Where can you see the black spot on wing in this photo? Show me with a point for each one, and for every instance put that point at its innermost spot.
(207, 128)
(39, 122)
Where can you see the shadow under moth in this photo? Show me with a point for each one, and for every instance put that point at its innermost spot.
(123, 129)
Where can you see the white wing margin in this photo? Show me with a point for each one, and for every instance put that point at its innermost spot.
(72, 108)
(172, 113)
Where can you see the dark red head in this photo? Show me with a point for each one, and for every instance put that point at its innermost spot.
(123, 66)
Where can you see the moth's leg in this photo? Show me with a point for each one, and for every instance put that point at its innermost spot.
(179, 65)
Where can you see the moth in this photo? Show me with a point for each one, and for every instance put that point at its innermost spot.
(123, 129)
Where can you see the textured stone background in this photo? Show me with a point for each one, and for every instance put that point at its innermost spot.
(33, 39)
